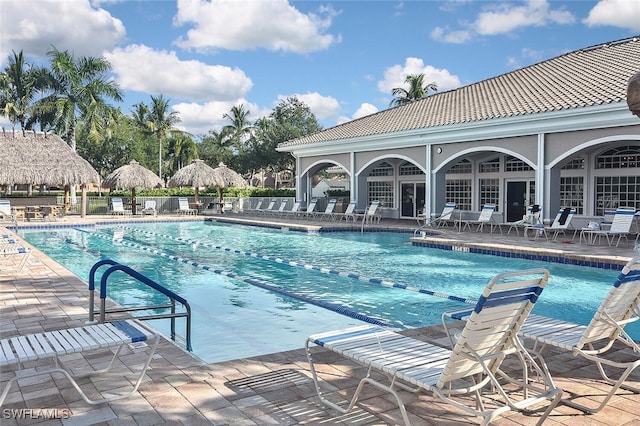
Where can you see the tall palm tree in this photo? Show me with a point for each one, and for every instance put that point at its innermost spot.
(182, 150)
(19, 84)
(156, 120)
(79, 91)
(240, 126)
(417, 90)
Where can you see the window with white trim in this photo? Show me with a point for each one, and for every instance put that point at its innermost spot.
(382, 191)
(459, 192)
(490, 192)
(572, 193)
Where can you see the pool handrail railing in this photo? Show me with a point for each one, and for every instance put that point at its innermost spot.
(173, 297)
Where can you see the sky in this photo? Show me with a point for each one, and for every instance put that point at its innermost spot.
(341, 58)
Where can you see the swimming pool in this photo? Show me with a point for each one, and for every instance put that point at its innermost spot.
(349, 272)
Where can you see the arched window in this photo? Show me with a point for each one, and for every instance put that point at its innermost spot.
(383, 169)
(410, 169)
(617, 183)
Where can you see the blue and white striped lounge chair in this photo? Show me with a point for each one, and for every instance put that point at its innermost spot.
(456, 376)
(594, 342)
(530, 218)
(620, 228)
(560, 225)
(485, 218)
(53, 345)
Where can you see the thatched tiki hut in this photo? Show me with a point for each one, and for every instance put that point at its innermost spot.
(132, 176)
(30, 158)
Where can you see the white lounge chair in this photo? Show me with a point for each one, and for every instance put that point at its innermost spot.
(5, 211)
(560, 225)
(282, 208)
(620, 228)
(150, 208)
(55, 344)
(328, 211)
(295, 209)
(474, 364)
(309, 212)
(10, 248)
(256, 208)
(594, 342)
(117, 207)
(349, 214)
(271, 207)
(372, 214)
(530, 218)
(183, 206)
(445, 217)
(485, 218)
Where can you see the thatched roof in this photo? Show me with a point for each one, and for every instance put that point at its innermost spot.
(633, 94)
(197, 174)
(230, 177)
(39, 158)
(132, 175)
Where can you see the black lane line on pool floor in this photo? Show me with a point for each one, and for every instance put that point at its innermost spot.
(249, 280)
(377, 281)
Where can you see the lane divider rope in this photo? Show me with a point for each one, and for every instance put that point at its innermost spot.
(250, 280)
(377, 281)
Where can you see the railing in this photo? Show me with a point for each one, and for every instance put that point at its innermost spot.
(173, 298)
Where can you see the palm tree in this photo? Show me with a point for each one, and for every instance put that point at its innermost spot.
(158, 121)
(19, 84)
(182, 150)
(79, 88)
(240, 126)
(417, 90)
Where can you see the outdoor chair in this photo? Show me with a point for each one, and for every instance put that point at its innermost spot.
(485, 218)
(295, 209)
(281, 209)
(620, 228)
(183, 207)
(309, 212)
(271, 207)
(560, 225)
(530, 218)
(328, 211)
(595, 341)
(349, 214)
(445, 217)
(11, 248)
(117, 207)
(5, 211)
(53, 345)
(372, 214)
(150, 208)
(459, 376)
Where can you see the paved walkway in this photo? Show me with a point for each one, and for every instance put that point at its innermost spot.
(272, 389)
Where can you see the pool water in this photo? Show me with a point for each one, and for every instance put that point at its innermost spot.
(345, 272)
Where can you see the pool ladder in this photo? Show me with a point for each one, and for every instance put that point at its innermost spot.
(171, 305)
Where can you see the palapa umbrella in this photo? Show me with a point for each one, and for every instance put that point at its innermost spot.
(196, 174)
(32, 158)
(229, 178)
(132, 176)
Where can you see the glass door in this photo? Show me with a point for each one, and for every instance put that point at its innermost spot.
(413, 199)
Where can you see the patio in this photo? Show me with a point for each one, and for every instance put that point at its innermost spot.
(270, 389)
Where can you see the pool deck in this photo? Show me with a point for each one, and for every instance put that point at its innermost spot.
(179, 389)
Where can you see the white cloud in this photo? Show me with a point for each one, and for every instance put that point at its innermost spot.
(617, 13)
(506, 17)
(273, 25)
(323, 107)
(137, 69)
(36, 26)
(365, 109)
(395, 75)
(198, 119)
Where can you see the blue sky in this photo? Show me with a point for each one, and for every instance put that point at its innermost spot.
(342, 58)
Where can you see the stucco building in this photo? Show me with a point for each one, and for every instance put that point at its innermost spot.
(557, 133)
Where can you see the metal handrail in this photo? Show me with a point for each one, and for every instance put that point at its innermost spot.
(173, 298)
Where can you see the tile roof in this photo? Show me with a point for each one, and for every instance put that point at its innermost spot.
(591, 76)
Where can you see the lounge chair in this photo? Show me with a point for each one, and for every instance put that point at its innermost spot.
(10, 248)
(281, 209)
(149, 208)
(271, 207)
(55, 344)
(594, 342)
(474, 364)
(620, 228)
(372, 214)
(485, 218)
(530, 218)
(183, 207)
(117, 207)
(6, 213)
(445, 217)
(254, 209)
(328, 211)
(309, 212)
(349, 214)
(560, 225)
(295, 209)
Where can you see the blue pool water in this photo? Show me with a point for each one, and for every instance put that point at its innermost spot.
(342, 271)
